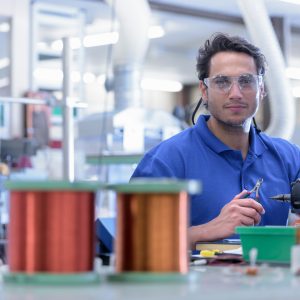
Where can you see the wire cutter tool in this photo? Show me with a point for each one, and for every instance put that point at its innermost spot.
(255, 189)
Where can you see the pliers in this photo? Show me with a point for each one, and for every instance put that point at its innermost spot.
(255, 189)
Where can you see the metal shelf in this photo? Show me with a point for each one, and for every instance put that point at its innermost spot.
(114, 159)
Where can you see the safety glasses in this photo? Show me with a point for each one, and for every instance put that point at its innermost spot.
(247, 83)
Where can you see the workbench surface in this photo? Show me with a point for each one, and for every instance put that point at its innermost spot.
(204, 282)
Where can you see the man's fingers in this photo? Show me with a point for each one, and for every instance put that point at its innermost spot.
(252, 214)
(243, 210)
(242, 194)
(247, 221)
(251, 203)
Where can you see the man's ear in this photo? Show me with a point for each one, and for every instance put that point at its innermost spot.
(203, 89)
(263, 92)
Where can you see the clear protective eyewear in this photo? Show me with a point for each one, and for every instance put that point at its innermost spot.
(223, 84)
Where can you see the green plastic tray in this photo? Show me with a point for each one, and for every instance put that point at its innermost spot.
(272, 242)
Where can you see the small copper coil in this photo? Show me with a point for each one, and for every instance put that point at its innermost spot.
(152, 232)
(51, 231)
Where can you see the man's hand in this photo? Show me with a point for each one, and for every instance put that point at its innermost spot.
(238, 212)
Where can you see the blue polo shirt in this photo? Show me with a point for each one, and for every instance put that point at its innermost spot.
(196, 153)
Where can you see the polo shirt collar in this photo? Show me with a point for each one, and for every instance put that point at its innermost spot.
(257, 146)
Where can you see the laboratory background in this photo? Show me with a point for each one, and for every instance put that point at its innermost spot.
(86, 88)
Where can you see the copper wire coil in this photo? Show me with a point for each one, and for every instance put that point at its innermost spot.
(152, 232)
(51, 231)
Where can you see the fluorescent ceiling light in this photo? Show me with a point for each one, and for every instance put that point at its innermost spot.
(4, 27)
(93, 40)
(51, 75)
(291, 1)
(42, 45)
(75, 43)
(89, 78)
(58, 95)
(102, 39)
(293, 73)
(296, 92)
(57, 45)
(56, 75)
(4, 82)
(161, 85)
(156, 32)
(4, 62)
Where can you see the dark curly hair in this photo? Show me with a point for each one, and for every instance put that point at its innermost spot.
(220, 42)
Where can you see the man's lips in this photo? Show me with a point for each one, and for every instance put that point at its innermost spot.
(236, 107)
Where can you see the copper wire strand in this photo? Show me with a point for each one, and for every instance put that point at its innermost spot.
(152, 232)
(51, 231)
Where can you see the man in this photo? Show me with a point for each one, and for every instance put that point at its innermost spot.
(224, 150)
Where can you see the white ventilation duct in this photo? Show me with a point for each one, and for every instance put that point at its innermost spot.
(282, 103)
(129, 128)
(130, 51)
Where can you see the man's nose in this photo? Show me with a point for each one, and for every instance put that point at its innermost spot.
(235, 89)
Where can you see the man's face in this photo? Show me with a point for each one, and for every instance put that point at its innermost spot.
(230, 96)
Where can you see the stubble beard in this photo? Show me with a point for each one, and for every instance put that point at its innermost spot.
(228, 123)
(232, 125)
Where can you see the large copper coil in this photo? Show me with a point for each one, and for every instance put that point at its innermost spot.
(51, 231)
(152, 232)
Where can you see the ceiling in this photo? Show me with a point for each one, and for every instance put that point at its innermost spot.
(187, 25)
